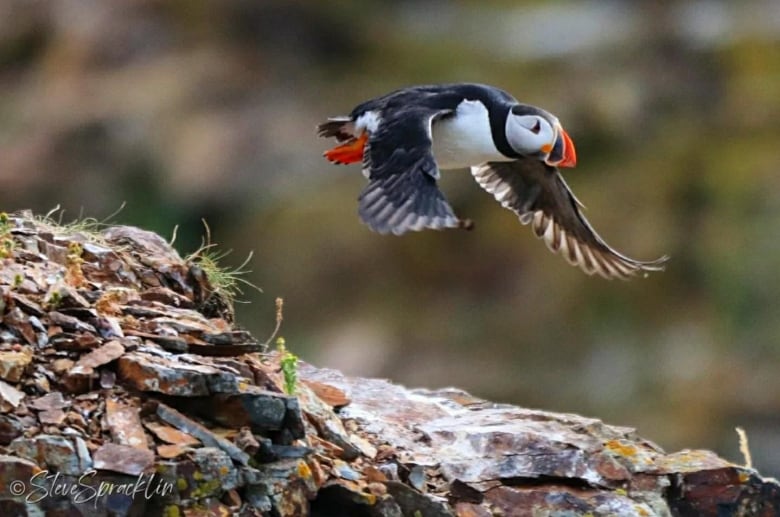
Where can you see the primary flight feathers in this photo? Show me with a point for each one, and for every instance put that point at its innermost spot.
(403, 139)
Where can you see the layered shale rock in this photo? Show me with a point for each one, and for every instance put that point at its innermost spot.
(126, 389)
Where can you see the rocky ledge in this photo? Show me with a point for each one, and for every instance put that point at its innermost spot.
(125, 389)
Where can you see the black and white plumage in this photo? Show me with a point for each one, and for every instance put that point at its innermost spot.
(405, 138)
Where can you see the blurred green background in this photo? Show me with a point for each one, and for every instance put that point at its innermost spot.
(190, 109)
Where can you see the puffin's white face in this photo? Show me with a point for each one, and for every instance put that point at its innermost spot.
(533, 134)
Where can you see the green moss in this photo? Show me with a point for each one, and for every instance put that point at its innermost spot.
(54, 300)
(171, 511)
(206, 488)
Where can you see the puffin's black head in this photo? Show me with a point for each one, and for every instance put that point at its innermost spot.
(532, 131)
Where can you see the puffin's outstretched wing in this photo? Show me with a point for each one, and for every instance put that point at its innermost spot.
(402, 194)
(538, 194)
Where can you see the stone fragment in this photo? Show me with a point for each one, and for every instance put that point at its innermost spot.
(123, 458)
(70, 323)
(19, 322)
(54, 252)
(181, 422)
(124, 423)
(373, 474)
(228, 337)
(363, 445)
(10, 428)
(200, 477)
(108, 327)
(272, 480)
(78, 379)
(66, 297)
(173, 377)
(255, 408)
(231, 350)
(51, 417)
(87, 341)
(102, 355)
(14, 468)
(170, 434)
(26, 304)
(216, 469)
(10, 397)
(411, 501)
(471, 510)
(327, 423)
(330, 395)
(167, 297)
(170, 451)
(209, 507)
(377, 489)
(66, 455)
(178, 322)
(153, 248)
(53, 400)
(62, 365)
(343, 497)
(40, 380)
(81, 313)
(173, 344)
(247, 442)
(343, 470)
(232, 499)
(13, 364)
(107, 379)
(416, 477)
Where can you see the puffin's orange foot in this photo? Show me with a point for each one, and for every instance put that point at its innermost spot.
(351, 152)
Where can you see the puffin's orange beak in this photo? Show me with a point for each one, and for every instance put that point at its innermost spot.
(563, 153)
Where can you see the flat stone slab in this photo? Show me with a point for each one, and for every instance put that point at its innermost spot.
(486, 457)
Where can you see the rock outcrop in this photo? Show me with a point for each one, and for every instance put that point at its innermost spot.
(126, 389)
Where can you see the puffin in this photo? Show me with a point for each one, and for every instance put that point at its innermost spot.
(404, 139)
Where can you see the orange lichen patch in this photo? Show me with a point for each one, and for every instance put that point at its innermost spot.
(691, 461)
(74, 276)
(303, 470)
(351, 152)
(743, 476)
(621, 448)
(111, 301)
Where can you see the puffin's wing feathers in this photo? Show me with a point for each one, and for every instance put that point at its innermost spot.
(538, 194)
(402, 194)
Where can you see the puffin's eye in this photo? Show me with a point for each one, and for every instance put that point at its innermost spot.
(537, 127)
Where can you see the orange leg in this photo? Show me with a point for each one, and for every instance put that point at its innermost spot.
(350, 152)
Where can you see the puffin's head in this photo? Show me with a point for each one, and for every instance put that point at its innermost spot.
(531, 131)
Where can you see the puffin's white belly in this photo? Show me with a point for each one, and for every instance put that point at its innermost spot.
(464, 139)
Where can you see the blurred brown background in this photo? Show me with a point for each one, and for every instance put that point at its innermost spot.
(190, 109)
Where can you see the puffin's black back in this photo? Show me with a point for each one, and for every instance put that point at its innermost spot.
(448, 97)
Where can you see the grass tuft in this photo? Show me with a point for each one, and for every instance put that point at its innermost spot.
(226, 282)
(88, 227)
